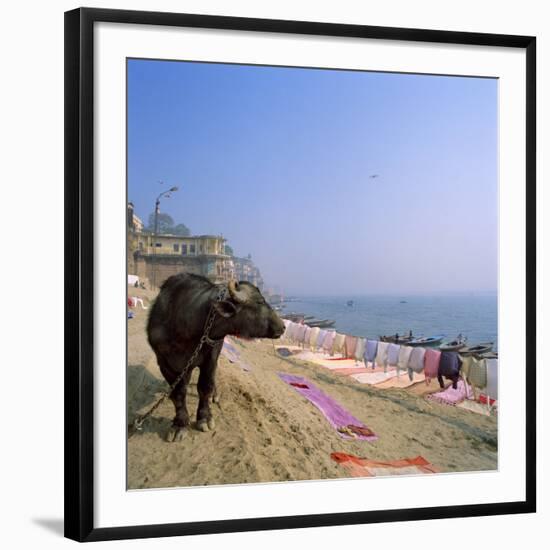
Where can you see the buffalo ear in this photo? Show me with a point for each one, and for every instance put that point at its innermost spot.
(225, 309)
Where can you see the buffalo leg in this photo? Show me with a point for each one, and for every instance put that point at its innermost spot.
(216, 395)
(206, 388)
(178, 396)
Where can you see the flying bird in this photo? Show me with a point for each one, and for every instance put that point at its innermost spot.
(372, 176)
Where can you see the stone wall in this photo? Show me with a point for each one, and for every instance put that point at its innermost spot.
(157, 268)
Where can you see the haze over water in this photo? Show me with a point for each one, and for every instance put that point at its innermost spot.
(475, 316)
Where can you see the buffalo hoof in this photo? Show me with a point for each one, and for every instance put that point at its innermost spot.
(176, 434)
(211, 423)
(203, 425)
(216, 399)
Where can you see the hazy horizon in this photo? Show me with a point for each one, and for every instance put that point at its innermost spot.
(279, 161)
(412, 293)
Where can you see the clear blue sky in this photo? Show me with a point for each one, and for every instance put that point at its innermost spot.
(278, 161)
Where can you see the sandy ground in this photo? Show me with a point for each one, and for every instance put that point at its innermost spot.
(266, 431)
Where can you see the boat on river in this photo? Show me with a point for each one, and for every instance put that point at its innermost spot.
(427, 341)
(397, 339)
(321, 323)
(309, 320)
(454, 345)
(478, 349)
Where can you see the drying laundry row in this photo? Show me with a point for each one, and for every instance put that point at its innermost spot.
(480, 373)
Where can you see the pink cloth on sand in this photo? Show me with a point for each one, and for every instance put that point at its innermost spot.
(450, 396)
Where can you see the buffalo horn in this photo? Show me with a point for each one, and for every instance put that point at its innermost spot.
(236, 294)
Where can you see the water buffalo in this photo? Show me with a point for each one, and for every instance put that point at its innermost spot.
(175, 326)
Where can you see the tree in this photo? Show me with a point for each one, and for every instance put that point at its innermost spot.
(181, 229)
(165, 223)
(229, 250)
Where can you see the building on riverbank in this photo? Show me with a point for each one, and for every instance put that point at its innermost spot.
(245, 270)
(157, 257)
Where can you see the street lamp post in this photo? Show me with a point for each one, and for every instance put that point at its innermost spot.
(157, 211)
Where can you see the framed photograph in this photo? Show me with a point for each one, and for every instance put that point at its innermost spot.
(300, 274)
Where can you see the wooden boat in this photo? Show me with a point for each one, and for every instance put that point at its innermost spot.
(321, 323)
(478, 349)
(427, 341)
(309, 320)
(451, 347)
(396, 339)
(454, 345)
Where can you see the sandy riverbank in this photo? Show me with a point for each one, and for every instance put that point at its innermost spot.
(266, 431)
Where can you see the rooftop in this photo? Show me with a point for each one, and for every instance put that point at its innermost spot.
(170, 236)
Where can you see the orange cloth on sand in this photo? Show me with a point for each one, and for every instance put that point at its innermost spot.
(363, 467)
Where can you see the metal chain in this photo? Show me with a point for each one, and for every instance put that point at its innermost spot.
(205, 339)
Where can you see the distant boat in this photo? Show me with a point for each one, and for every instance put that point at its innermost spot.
(478, 349)
(308, 320)
(321, 323)
(454, 345)
(350, 303)
(396, 339)
(403, 302)
(451, 347)
(427, 341)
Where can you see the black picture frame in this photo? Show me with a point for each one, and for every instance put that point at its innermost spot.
(79, 268)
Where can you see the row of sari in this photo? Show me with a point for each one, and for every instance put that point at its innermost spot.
(479, 372)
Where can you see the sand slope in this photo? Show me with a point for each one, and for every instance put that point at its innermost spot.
(266, 431)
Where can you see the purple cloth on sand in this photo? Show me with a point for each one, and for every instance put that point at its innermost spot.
(332, 411)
